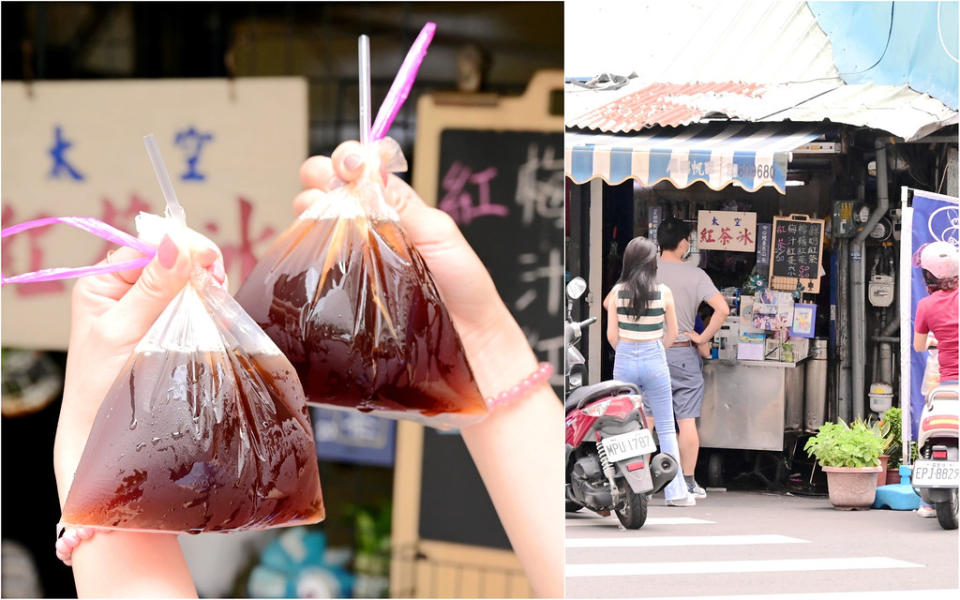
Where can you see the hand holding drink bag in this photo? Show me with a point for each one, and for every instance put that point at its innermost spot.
(206, 427)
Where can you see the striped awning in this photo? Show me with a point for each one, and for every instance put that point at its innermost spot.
(750, 155)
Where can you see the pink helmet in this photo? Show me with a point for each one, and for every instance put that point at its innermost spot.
(940, 258)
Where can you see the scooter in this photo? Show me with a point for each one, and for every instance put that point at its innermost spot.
(609, 455)
(937, 471)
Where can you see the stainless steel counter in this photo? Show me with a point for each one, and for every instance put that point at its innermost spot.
(749, 404)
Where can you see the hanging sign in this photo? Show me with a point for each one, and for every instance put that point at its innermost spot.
(726, 230)
(233, 150)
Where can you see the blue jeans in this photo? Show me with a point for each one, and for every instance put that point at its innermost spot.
(645, 364)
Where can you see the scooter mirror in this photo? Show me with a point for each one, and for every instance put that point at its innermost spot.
(576, 288)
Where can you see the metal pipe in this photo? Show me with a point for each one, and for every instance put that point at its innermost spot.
(887, 339)
(595, 299)
(886, 363)
(894, 325)
(843, 338)
(858, 308)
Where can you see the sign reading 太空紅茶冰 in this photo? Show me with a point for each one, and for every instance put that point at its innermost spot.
(726, 230)
(233, 150)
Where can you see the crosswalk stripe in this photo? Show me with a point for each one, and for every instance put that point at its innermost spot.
(734, 566)
(650, 521)
(677, 540)
(873, 595)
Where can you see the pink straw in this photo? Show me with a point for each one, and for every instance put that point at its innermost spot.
(400, 88)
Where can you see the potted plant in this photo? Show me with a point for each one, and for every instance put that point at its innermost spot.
(890, 430)
(850, 456)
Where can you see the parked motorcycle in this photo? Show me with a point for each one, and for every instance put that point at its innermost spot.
(610, 462)
(575, 371)
(937, 470)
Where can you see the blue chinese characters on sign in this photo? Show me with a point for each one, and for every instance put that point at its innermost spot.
(61, 167)
(192, 142)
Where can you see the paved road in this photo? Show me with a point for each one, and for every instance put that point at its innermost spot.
(737, 543)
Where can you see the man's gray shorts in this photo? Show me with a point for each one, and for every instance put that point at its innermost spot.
(686, 381)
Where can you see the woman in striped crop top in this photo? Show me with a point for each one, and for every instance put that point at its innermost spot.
(641, 321)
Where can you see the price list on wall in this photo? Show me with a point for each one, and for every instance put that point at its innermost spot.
(797, 250)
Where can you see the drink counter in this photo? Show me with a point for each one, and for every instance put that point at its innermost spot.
(749, 404)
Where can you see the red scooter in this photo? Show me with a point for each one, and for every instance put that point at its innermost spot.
(610, 461)
(608, 444)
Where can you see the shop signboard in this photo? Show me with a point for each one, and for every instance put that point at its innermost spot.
(72, 148)
(726, 230)
(764, 235)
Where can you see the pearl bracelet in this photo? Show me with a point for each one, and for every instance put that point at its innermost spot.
(532, 381)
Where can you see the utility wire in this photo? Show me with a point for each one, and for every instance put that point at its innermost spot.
(877, 62)
(940, 33)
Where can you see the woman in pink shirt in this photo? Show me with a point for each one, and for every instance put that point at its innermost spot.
(937, 313)
(937, 317)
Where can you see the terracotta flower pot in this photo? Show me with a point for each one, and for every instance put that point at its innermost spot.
(893, 477)
(852, 488)
(882, 475)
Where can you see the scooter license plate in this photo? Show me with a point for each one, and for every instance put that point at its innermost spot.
(628, 445)
(936, 473)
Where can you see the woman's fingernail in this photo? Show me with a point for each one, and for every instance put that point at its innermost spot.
(335, 182)
(167, 252)
(353, 162)
(218, 272)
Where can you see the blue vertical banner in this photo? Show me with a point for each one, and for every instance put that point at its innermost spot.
(935, 218)
(764, 235)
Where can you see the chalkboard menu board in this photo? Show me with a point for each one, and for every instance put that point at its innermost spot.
(495, 165)
(454, 505)
(505, 191)
(797, 251)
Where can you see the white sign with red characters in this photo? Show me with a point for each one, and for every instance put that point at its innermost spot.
(75, 149)
(727, 230)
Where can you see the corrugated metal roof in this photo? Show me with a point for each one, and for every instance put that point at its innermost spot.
(693, 40)
(897, 109)
(743, 60)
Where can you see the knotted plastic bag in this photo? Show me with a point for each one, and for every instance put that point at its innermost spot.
(351, 303)
(206, 427)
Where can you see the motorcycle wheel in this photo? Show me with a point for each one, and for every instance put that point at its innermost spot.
(947, 512)
(633, 513)
(572, 506)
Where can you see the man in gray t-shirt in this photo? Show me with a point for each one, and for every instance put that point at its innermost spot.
(691, 286)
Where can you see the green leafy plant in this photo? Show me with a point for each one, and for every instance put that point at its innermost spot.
(890, 429)
(842, 445)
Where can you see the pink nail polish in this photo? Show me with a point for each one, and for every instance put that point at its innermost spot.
(167, 252)
(218, 272)
(353, 162)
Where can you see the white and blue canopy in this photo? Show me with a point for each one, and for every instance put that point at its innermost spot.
(750, 155)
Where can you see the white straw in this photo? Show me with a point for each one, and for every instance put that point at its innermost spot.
(364, 57)
(174, 209)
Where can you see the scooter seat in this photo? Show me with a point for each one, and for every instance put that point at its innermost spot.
(579, 397)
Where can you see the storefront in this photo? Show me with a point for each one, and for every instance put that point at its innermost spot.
(781, 223)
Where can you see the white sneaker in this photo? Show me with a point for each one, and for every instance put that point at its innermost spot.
(696, 491)
(926, 511)
(685, 501)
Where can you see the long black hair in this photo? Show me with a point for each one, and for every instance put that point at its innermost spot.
(639, 275)
(935, 284)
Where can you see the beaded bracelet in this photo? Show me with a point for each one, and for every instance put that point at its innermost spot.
(535, 379)
(68, 538)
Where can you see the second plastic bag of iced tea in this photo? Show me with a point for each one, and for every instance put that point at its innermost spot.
(205, 429)
(350, 301)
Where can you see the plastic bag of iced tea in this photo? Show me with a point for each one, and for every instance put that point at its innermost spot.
(349, 300)
(205, 429)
